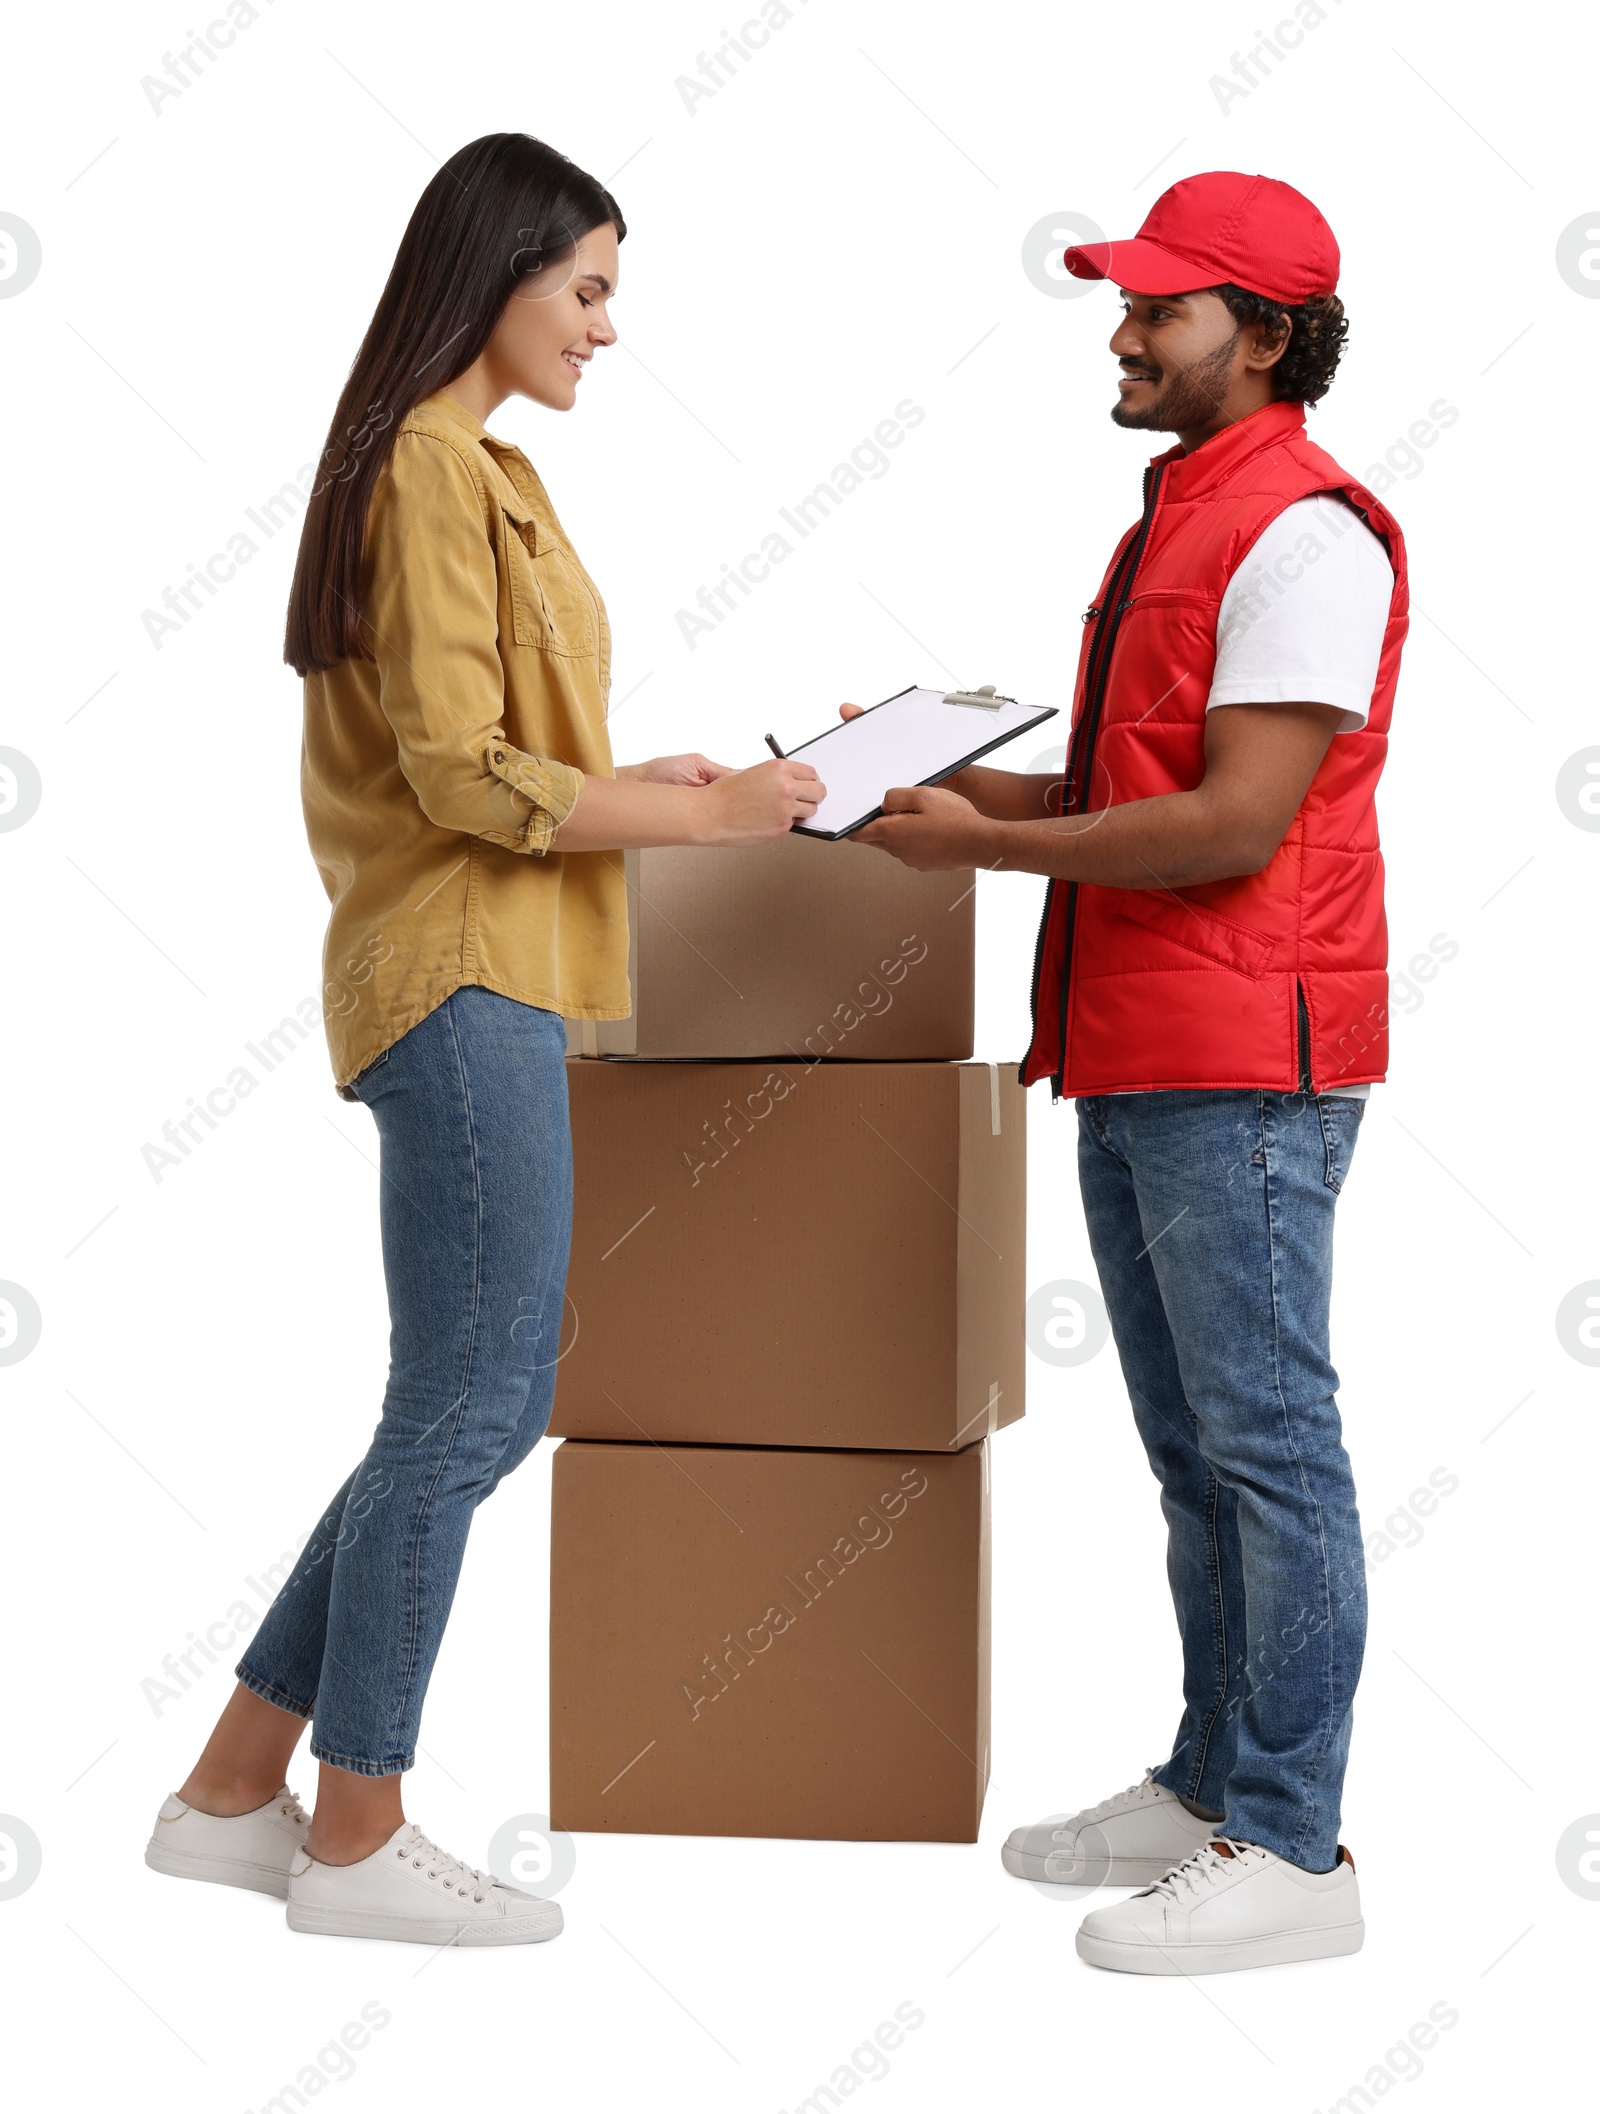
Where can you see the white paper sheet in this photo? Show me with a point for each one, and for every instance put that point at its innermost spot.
(912, 739)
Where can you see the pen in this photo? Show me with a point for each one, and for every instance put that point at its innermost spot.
(773, 746)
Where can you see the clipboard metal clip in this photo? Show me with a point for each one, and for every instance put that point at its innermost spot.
(985, 698)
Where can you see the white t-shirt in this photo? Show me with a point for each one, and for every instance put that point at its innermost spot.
(1302, 620)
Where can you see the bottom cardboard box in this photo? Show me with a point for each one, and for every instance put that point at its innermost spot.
(755, 1641)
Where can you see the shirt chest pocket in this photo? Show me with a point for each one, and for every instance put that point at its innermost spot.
(552, 606)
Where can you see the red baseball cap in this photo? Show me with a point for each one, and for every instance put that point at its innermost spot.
(1221, 229)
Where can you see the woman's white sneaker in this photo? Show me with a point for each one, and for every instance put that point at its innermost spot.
(1231, 1905)
(1132, 1839)
(414, 1892)
(251, 1850)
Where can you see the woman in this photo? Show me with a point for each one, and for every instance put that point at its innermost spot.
(464, 813)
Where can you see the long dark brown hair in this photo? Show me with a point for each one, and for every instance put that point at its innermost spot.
(500, 210)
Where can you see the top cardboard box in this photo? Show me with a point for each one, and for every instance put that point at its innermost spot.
(796, 948)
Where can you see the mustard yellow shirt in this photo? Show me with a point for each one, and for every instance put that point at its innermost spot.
(435, 775)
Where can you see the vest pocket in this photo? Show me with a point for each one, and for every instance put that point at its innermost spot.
(551, 606)
(1196, 929)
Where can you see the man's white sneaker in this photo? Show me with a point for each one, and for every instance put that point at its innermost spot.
(252, 1850)
(1229, 1906)
(413, 1891)
(1130, 1840)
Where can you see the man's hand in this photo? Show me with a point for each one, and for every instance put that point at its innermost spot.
(675, 770)
(927, 828)
(1259, 764)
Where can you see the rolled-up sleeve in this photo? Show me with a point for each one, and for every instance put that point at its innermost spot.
(431, 619)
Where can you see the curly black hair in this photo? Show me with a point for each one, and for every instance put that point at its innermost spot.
(1317, 331)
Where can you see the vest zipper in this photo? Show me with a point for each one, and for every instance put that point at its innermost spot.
(1303, 1027)
(1107, 617)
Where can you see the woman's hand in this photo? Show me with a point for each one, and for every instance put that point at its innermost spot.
(728, 807)
(676, 770)
(752, 807)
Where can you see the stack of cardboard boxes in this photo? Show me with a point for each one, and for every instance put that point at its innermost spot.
(794, 1319)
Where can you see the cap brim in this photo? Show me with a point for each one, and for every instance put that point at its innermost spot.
(1142, 267)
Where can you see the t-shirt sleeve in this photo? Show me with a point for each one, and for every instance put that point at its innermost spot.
(1303, 618)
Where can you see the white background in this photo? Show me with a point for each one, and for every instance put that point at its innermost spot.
(839, 228)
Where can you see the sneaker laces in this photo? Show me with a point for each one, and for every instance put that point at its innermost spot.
(458, 1876)
(1145, 1788)
(291, 1808)
(1199, 1873)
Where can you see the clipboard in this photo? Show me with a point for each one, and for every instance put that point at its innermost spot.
(916, 737)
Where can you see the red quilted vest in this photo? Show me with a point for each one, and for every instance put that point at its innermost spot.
(1277, 979)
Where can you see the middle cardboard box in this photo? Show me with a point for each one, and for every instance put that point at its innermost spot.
(792, 1255)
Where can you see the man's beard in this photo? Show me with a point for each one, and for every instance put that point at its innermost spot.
(1190, 398)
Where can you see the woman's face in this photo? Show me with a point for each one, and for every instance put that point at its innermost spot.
(554, 321)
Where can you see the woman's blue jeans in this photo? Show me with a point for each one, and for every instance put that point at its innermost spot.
(476, 1212)
(1211, 1222)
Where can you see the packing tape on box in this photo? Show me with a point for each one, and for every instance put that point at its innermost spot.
(994, 1100)
(988, 1417)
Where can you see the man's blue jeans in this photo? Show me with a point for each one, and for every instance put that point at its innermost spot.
(1211, 1222)
(476, 1212)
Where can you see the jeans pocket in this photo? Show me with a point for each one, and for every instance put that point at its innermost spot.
(1341, 1119)
(361, 1078)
